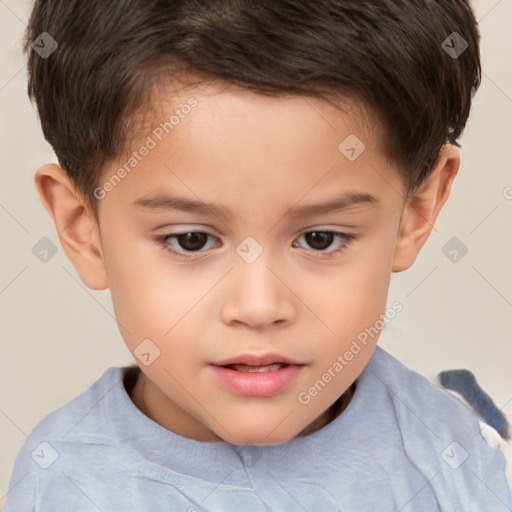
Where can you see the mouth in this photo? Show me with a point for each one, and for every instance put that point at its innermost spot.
(244, 362)
(239, 367)
(256, 380)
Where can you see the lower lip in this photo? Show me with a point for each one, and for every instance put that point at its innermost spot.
(256, 383)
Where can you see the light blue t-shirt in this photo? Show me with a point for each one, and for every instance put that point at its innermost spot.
(401, 445)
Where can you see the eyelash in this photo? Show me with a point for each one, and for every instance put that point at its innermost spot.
(346, 238)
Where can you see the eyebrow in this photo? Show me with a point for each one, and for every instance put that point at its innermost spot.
(162, 201)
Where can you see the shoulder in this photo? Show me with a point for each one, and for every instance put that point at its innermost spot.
(415, 400)
(73, 417)
(413, 396)
(63, 435)
(440, 436)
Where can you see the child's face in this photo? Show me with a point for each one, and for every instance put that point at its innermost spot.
(258, 281)
(262, 160)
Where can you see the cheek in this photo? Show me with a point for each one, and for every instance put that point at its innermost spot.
(146, 296)
(372, 270)
(353, 295)
(153, 297)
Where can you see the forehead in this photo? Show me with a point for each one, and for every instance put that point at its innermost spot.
(218, 141)
(222, 104)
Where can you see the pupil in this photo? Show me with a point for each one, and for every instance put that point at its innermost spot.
(316, 239)
(192, 241)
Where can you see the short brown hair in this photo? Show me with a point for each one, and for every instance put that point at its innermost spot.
(388, 54)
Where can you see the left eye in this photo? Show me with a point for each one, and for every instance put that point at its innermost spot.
(321, 240)
(193, 241)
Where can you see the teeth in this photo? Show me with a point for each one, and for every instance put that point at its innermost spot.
(249, 368)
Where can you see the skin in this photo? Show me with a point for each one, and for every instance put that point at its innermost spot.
(258, 157)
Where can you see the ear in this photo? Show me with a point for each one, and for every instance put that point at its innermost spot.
(421, 210)
(76, 226)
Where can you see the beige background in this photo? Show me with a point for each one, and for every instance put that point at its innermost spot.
(57, 336)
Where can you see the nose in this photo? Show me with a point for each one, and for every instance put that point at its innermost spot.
(256, 296)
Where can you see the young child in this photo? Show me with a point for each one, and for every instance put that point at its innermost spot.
(244, 177)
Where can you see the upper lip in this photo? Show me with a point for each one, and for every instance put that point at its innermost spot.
(256, 360)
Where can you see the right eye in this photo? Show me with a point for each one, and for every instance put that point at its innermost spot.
(191, 241)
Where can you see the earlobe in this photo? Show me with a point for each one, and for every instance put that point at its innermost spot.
(76, 227)
(421, 211)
